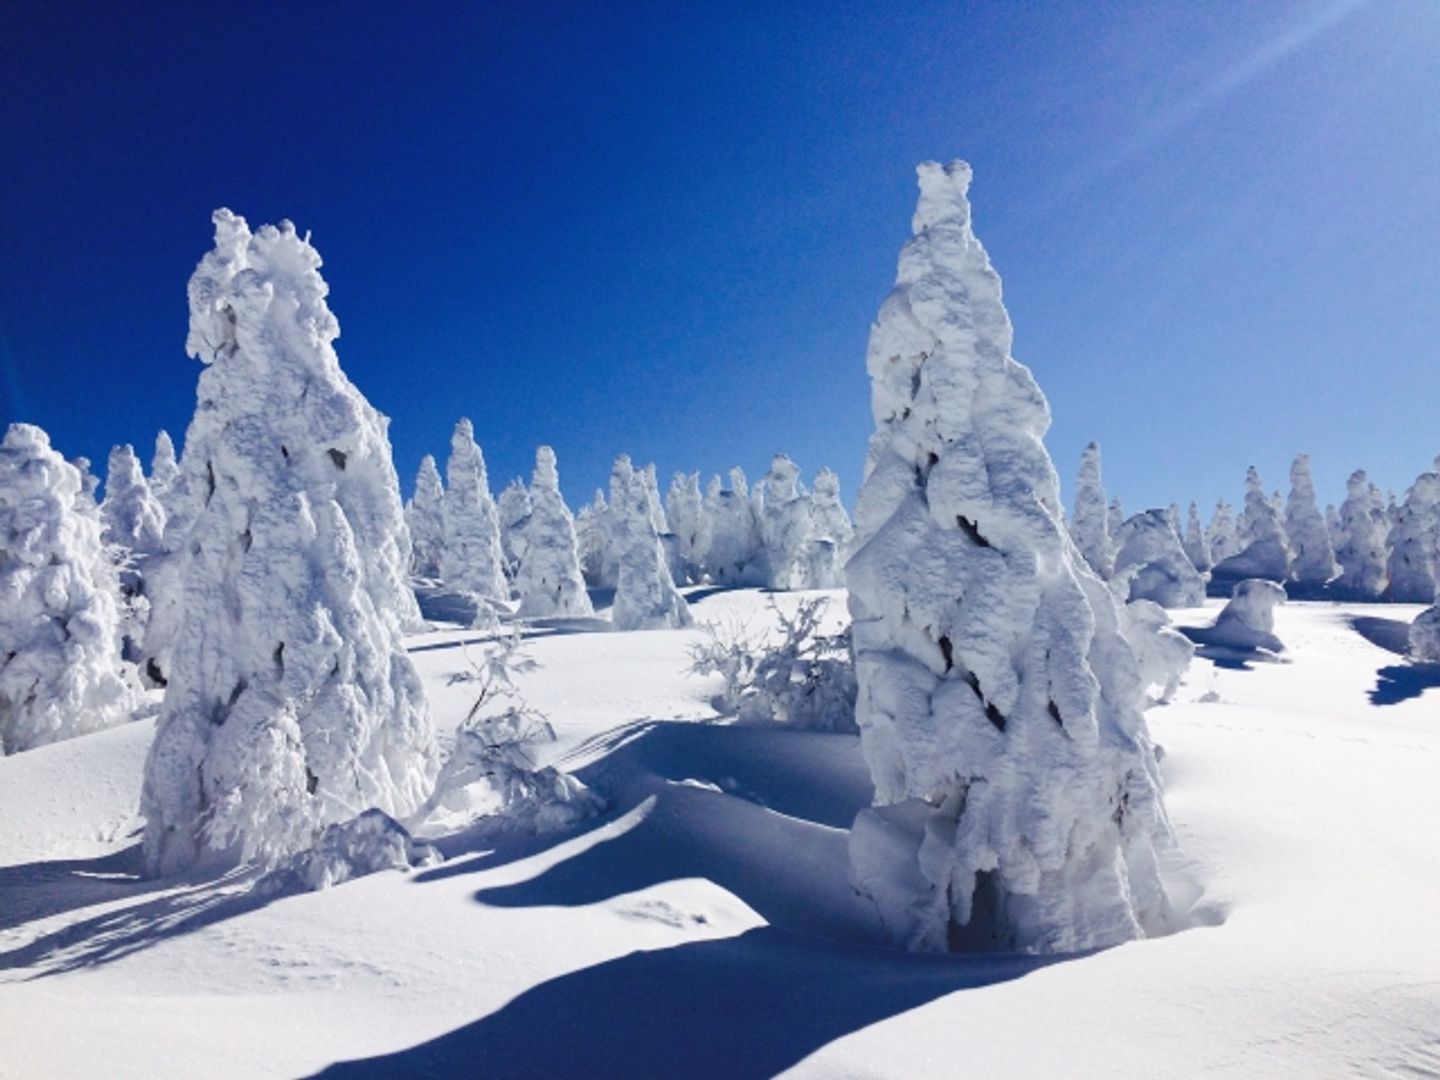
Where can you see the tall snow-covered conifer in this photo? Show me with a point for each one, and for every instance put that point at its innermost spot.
(164, 468)
(512, 508)
(291, 702)
(472, 560)
(131, 516)
(549, 579)
(425, 515)
(685, 514)
(1195, 546)
(645, 593)
(1220, 537)
(831, 532)
(735, 556)
(1090, 525)
(1312, 556)
(1017, 800)
(1361, 551)
(1264, 551)
(1413, 541)
(785, 526)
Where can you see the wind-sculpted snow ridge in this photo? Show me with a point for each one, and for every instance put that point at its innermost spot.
(549, 579)
(1089, 526)
(425, 516)
(291, 704)
(60, 669)
(1151, 564)
(645, 593)
(472, 560)
(1017, 799)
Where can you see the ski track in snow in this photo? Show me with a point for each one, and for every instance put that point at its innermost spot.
(704, 926)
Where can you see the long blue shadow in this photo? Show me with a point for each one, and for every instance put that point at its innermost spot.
(1401, 682)
(1392, 635)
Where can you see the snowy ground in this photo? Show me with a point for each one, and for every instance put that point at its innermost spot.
(703, 927)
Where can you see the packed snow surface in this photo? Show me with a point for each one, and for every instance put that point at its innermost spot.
(704, 926)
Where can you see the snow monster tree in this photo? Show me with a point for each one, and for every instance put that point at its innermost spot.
(1017, 798)
(291, 703)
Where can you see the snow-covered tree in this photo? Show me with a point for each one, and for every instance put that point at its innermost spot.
(1425, 636)
(785, 526)
(1017, 801)
(1312, 556)
(831, 532)
(1163, 652)
(591, 537)
(735, 556)
(653, 506)
(164, 468)
(1150, 564)
(1248, 620)
(1413, 542)
(291, 702)
(85, 500)
(645, 593)
(1114, 518)
(687, 520)
(512, 508)
(472, 560)
(1332, 527)
(1264, 551)
(425, 516)
(1089, 525)
(1196, 549)
(1220, 537)
(549, 579)
(1361, 551)
(60, 669)
(130, 516)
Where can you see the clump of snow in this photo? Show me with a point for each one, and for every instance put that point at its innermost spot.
(61, 674)
(1312, 556)
(1163, 652)
(1248, 620)
(549, 579)
(645, 593)
(1361, 548)
(1264, 549)
(291, 703)
(368, 843)
(1017, 798)
(472, 560)
(1413, 542)
(1150, 563)
(1089, 525)
(425, 516)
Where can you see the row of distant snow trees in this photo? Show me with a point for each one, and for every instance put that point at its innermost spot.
(1370, 549)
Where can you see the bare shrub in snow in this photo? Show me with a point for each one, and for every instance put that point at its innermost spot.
(549, 579)
(645, 593)
(1150, 564)
(1089, 525)
(60, 669)
(1017, 798)
(472, 561)
(425, 515)
(1361, 549)
(1312, 556)
(291, 703)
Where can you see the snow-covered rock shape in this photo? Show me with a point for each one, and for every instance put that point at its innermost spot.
(1413, 543)
(1196, 547)
(1017, 802)
(512, 508)
(1151, 562)
(1361, 550)
(1090, 525)
(735, 556)
(472, 561)
(549, 579)
(687, 520)
(130, 516)
(1264, 551)
(291, 703)
(425, 516)
(645, 593)
(785, 526)
(164, 468)
(1220, 536)
(1247, 621)
(60, 669)
(1312, 556)
(831, 532)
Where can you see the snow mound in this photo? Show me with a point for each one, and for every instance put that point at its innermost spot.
(1247, 622)
(366, 844)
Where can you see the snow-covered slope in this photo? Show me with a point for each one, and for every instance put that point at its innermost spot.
(704, 927)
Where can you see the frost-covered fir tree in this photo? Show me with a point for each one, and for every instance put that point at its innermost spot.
(1361, 551)
(831, 532)
(1150, 564)
(1114, 518)
(591, 534)
(1413, 541)
(512, 508)
(1017, 802)
(60, 669)
(425, 516)
(1196, 549)
(291, 701)
(1090, 525)
(736, 553)
(687, 520)
(85, 500)
(549, 579)
(785, 526)
(130, 516)
(1312, 556)
(653, 506)
(1332, 527)
(1264, 550)
(472, 560)
(1220, 536)
(645, 593)
(164, 468)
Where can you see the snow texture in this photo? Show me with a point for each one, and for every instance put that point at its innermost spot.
(549, 578)
(1154, 565)
(60, 669)
(1312, 556)
(291, 703)
(472, 560)
(1017, 799)
(1264, 551)
(1361, 548)
(1090, 525)
(645, 593)
(1247, 622)
(1413, 542)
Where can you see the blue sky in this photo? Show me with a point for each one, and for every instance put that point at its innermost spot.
(665, 230)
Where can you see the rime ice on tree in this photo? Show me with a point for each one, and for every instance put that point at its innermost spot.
(999, 704)
(687, 520)
(291, 702)
(1090, 526)
(1196, 549)
(1413, 542)
(785, 526)
(831, 533)
(131, 516)
(472, 561)
(512, 508)
(1152, 565)
(425, 516)
(645, 593)
(1312, 556)
(1361, 550)
(549, 579)
(1264, 550)
(164, 469)
(60, 668)
(1220, 537)
(735, 548)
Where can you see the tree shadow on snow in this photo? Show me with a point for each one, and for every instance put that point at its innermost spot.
(744, 1007)
(30, 892)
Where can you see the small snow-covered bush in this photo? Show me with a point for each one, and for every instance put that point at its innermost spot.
(366, 844)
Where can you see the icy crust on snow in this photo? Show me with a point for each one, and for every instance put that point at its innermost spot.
(425, 516)
(645, 593)
(1153, 565)
(549, 579)
(472, 560)
(1090, 525)
(1414, 542)
(1018, 804)
(60, 669)
(291, 703)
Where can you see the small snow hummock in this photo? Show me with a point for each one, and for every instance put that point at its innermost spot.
(291, 703)
(1018, 804)
(1264, 549)
(60, 671)
(645, 593)
(472, 560)
(1089, 525)
(1413, 542)
(366, 844)
(1361, 547)
(549, 579)
(1247, 622)
(1151, 564)
(425, 515)
(1312, 555)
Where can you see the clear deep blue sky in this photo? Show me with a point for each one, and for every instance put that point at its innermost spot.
(666, 231)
